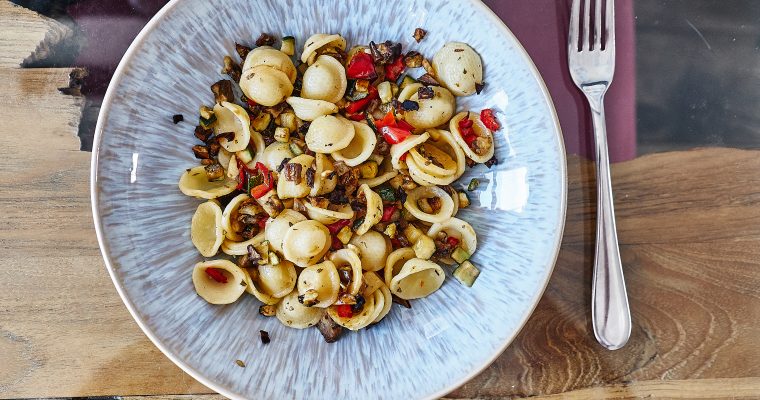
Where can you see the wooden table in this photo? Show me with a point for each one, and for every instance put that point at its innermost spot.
(689, 225)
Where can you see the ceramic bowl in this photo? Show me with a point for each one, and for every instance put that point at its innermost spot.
(142, 219)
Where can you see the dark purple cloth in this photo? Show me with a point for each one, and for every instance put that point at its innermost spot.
(540, 25)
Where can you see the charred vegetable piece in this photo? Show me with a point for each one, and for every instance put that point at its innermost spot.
(385, 91)
(268, 310)
(309, 298)
(201, 152)
(466, 273)
(242, 50)
(264, 337)
(203, 134)
(425, 92)
(474, 183)
(479, 87)
(330, 330)
(207, 117)
(408, 80)
(296, 150)
(428, 80)
(386, 52)
(265, 40)
(282, 134)
(261, 122)
(223, 91)
(413, 59)
(177, 118)
(214, 172)
(464, 200)
(231, 69)
(419, 34)
(368, 169)
(288, 45)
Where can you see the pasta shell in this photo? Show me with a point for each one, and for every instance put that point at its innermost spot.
(358, 320)
(293, 314)
(275, 280)
(480, 131)
(319, 40)
(324, 80)
(379, 180)
(275, 229)
(265, 85)
(311, 109)
(217, 292)
(458, 67)
(287, 189)
(234, 248)
(446, 143)
(324, 181)
(273, 155)
(395, 261)
(327, 134)
(374, 210)
(271, 57)
(387, 303)
(445, 212)
(373, 249)
(231, 117)
(399, 149)
(229, 217)
(431, 112)
(327, 216)
(306, 242)
(435, 161)
(348, 257)
(379, 305)
(360, 147)
(254, 290)
(194, 183)
(372, 283)
(206, 230)
(258, 145)
(459, 229)
(418, 278)
(322, 278)
(224, 157)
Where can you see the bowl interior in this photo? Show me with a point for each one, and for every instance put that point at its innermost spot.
(143, 220)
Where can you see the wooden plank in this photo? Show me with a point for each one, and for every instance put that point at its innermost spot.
(27, 36)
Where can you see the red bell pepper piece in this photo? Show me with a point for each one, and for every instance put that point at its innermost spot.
(403, 156)
(262, 222)
(393, 70)
(216, 275)
(356, 117)
(259, 191)
(344, 310)
(388, 213)
(359, 105)
(452, 241)
(361, 66)
(395, 243)
(404, 125)
(388, 120)
(466, 130)
(335, 227)
(394, 135)
(336, 244)
(489, 120)
(250, 103)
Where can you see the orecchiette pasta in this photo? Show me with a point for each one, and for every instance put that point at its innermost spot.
(330, 183)
(219, 281)
(324, 80)
(327, 134)
(265, 85)
(360, 147)
(232, 118)
(206, 228)
(459, 68)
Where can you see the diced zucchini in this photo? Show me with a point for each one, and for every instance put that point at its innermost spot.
(385, 92)
(390, 231)
(282, 135)
(466, 273)
(474, 183)
(460, 255)
(295, 149)
(207, 117)
(408, 80)
(245, 156)
(394, 89)
(424, 247)
(387, 193)
(368, 169)
(464, 200)
(412, 233)
(396, 181)
(344, 235)
(274, 259)
(261, 122)
(289, 120)
(288, 45)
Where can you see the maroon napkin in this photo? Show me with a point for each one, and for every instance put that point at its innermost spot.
(542, 26)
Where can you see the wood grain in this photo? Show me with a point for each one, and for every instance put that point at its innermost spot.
(26, 35)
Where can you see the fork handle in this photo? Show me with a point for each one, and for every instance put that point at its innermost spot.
(611, 316)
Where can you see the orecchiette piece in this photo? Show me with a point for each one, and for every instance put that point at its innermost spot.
(271, 57)
(374, 209)
(289, 189)
(319, 284)
(327, 216)
(319, 40)
(306, 242)
(195, 183)
(419, 193)
(360, 147)
(293, 314)
(275, 228)
(265, 85)
(459, 68)
(459, 229)
(431, 112)
(347, 258)
(231, 117)
(230, 224)
(311, 109)
(324, 80)
(206, 230)
(275, 280)
(395, 261)
(327, 134)
(418, 278)
(373, 249)
(213, 291)
(484, 143)
(273, 155)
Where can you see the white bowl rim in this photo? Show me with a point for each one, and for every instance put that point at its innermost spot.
(197, 375)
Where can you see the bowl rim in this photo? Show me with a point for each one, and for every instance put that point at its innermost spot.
(197, 375)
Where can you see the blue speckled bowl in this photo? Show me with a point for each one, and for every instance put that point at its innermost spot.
(142, 219)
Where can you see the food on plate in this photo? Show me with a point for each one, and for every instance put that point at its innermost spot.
(327, 179)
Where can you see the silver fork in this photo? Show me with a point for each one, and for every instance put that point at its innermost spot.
(592, 68)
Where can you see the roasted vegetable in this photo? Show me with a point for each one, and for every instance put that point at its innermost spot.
(466, 273)
(330, 330)
(223, 91)
(460, 255)
(207, 117)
